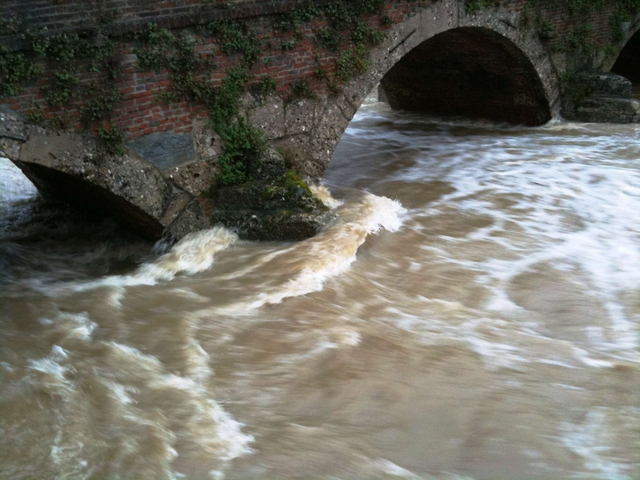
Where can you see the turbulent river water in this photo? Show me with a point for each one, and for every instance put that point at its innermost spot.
(474, 313)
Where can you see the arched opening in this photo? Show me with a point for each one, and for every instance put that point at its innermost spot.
(87, 196)
(472, 72)
(627, 64)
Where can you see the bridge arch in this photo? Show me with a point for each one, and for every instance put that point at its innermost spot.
(472, 72)
(495, 49)
(445, 62)
(626, 63)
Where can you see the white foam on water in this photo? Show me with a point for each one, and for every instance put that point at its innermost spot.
(575, 206)
(51, 375)
(501, 355)
(203, 419)
(557, 363)
(216, 475)
(570, 387)
(387, 467)
(331, 252)
(322, 193)
(14, 186)
(193, 254)
(347, 337)
(71, 326)
(128, 354)
(584, 357)
(601, 249)
(593, 442)
(50, 367)
(139, 399)
(229, 431)
(120, 393)
(578, 207)
(114, 296)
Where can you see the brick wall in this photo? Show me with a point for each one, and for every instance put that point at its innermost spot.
(558, 15)
(139, 112)
(63, 15)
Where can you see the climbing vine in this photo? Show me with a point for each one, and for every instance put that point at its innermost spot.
(159, 50)
(625, 12)
(15, 68)
(236, 38)
(473, 6)
(580, 38)
(340, 26)
(341, 31)
(65, 57)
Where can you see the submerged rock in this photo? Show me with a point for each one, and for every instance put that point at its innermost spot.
(276, 205)
(600, 98)
(282, 225)
(281, 208)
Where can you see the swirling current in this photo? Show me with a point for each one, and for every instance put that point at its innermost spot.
(472, 314)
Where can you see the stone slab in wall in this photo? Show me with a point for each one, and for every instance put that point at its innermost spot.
(164, 149)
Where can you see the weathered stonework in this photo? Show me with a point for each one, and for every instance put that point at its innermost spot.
(163, 202)
(601, 97)
(195, 178)
(67, 165)
(471, 72)
(496, 63)
(165, 149)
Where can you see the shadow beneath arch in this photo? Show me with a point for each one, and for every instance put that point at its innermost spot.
(627, 64)
(472, 72)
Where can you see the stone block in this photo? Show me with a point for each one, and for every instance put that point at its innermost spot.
(177, 202)
(295, 150)
(281, 209)
(280, 226)
(190, 219)
(12, 132)
(195, 178)
(208, 143)
(46, 148)
(267, 113)
(604, 84)
(607, 110)
(164, 149)
(300, 116)
(268, 166)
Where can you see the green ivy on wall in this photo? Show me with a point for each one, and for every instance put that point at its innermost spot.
(159, 49)
(67, 56)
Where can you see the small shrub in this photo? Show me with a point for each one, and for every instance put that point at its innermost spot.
(267, 85)
(352, 62)
(243, 143)
(111, 140)
(301, 88)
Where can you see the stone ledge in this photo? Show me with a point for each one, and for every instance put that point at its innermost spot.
(600, 98)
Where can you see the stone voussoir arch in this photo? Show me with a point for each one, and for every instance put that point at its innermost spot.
(170, 199)
(631, 33)
(499, 24)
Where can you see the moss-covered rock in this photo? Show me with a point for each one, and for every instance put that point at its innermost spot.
(601, 98)
(283, 225)
(274, 205)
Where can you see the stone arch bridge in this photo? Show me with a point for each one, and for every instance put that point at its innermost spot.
(503, 60)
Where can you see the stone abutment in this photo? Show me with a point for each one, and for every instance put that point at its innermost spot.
(159, 113)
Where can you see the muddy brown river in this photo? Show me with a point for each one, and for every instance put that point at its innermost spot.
(474, 313)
